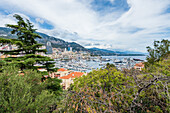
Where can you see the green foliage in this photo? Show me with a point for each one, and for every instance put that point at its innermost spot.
(27, 46)
(160, 51)
(153, 92)
(25, 93)
(109, 65)
(53, 85)
(104, 90)
(2, 64)
(109, 90)
(29, 92)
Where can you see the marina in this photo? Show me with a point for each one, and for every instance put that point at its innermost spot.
(81, 65)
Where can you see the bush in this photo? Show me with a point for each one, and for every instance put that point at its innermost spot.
(24, 92)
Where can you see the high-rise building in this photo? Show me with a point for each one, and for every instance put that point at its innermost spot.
(68, 48)
(65, 50)
(49, 48)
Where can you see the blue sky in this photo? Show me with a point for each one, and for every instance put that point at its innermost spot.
(109, 24)
(109, 6)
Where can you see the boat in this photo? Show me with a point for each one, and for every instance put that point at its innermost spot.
(117, 61)
(102, 64)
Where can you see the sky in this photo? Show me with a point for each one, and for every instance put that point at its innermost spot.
(129, 25)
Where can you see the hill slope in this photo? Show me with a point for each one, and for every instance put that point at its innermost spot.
(105, 52)
(55, 42)
(59, 43)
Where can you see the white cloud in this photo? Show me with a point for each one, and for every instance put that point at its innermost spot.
(112, 1)
(133, 30)
(4, 19)
(39, 20)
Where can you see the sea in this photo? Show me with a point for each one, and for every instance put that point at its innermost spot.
(122, 57)
(95, 65)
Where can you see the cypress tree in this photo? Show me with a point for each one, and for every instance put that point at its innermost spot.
(25, 55)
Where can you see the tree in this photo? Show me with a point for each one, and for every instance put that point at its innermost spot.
(25, 92)
(25, 58)
(27, 47)
(108, 65)
(110, 90)
(2, 64)
(153, 88)
(104, 90)
(160, 51)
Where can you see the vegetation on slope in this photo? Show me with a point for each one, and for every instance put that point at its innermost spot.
(25, 55)
(109, 90)
(25, 89)
(26, 93)
(102, 90)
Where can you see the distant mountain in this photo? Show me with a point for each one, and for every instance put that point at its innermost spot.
(102, 52)
(5, 33)
(59, 43)
(105, 52)
(120, 51)
(55, 42)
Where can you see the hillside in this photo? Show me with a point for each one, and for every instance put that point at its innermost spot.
(105, 52)
(55, 42)
(59, 43)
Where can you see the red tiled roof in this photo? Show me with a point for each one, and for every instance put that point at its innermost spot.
(57, 75)
(139, 64)
(61, 69)
(72, 75)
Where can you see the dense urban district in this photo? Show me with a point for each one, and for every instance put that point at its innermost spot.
(39, 76)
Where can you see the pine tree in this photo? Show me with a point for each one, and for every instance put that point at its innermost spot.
(25, 55)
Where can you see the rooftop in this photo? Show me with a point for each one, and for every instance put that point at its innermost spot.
(139, 64)
(72, 75)
(62, 69)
